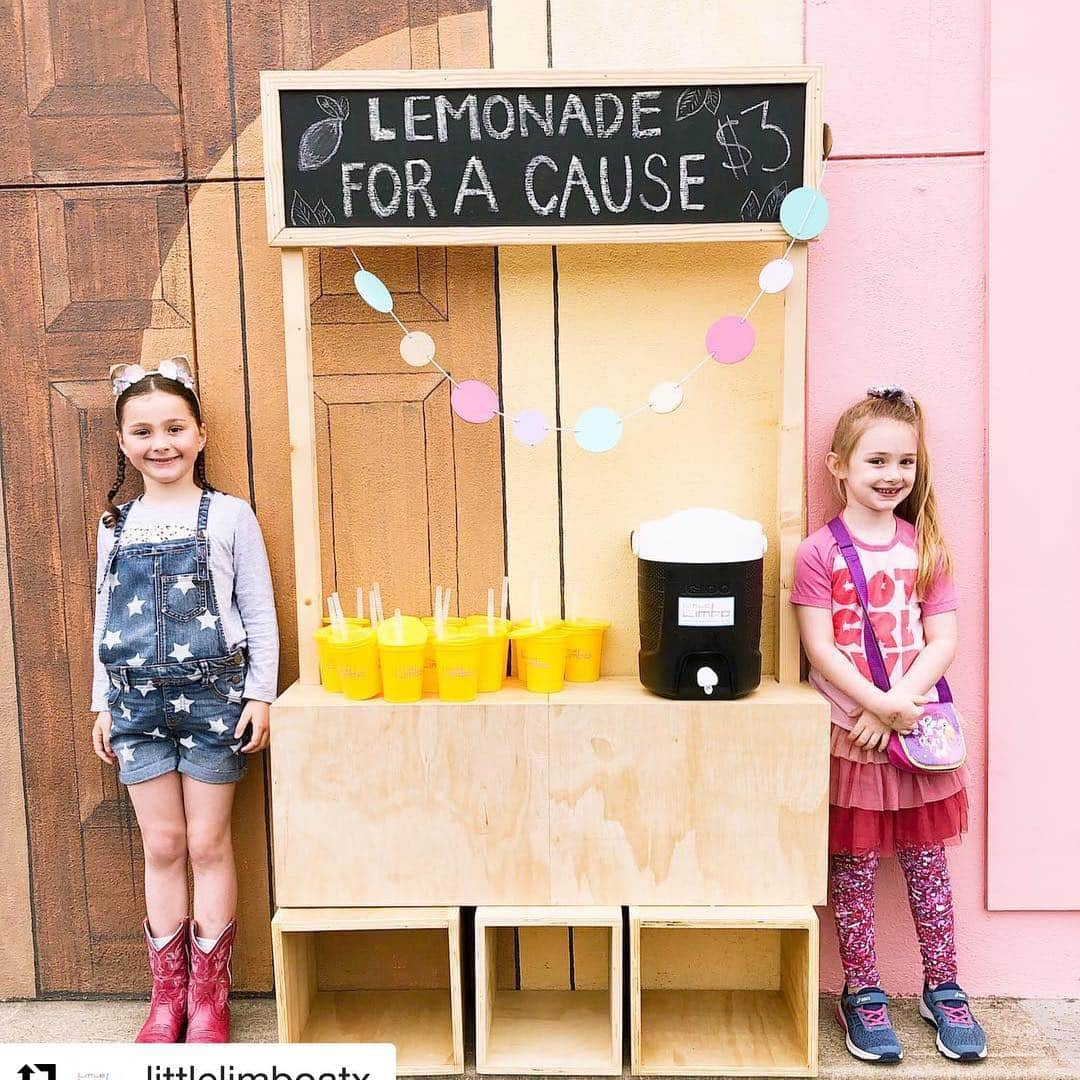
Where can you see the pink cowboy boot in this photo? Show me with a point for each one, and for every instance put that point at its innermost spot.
(209, 982)
(168, 1002)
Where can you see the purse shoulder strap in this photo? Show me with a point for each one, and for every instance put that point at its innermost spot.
(871, 644)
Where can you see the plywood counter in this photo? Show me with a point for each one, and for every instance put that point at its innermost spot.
(600, 794)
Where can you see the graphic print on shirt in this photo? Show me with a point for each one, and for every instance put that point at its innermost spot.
(894, 609)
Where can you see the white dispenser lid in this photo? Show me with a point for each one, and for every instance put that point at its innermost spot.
(699, 535)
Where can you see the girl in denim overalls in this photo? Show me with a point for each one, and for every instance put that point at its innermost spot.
(185, 666)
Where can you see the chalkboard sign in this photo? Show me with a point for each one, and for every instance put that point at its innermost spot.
(497, 157)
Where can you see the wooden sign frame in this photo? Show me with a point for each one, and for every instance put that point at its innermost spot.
(281, 234)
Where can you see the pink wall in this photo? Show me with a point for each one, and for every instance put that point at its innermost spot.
(897, 293)
(1032, 819)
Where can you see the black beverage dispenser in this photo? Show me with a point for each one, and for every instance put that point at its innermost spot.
(699, 604)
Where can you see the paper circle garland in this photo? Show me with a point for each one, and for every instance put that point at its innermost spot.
(776, 276)
(372, 291)
(598, 429)
(474, 401)
(530, 427)
(730, 339)
(804, 213)
(417, 348)
(665, 397)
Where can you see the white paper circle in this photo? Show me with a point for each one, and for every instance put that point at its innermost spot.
(776, 276)
(665, 397)
(417, 348)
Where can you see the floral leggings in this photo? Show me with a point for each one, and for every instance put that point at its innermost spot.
(851, 892)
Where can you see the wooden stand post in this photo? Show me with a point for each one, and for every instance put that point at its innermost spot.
(305, 485)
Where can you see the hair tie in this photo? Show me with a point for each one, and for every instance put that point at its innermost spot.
(891, 392)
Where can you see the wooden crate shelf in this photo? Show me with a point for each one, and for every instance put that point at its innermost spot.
(723, 991)
(539, 1011)
(373, 975)
(601, 794)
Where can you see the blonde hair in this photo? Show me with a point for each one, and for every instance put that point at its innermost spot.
(920, 507)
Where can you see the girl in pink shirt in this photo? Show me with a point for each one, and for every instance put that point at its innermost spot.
(881, 466)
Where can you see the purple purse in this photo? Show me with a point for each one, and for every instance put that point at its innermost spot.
(936, 744)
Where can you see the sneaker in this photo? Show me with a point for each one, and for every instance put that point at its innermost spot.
(865, 1019)
(959, 1035)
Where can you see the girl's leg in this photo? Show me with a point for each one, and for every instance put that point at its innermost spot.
(851, 892)
(930, 896)
(209, 846)
(159, 808)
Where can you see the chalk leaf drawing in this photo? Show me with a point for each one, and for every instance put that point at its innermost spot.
(770, 208)
(303, 213)
(751, 207)
(756, 209)
(321, 140)
(695, 99)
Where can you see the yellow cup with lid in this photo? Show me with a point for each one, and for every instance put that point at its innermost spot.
(584, 647)
(401, 657)
(542, 656)
(357, 662)
(431, 671)
(493, 645)
(457, 657)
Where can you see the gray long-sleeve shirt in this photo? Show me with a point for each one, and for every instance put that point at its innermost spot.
(241, 575)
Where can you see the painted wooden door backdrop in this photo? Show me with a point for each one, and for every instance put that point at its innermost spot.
(131, 226)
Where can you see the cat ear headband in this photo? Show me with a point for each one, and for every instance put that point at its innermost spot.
(178, 368)
(892, 393)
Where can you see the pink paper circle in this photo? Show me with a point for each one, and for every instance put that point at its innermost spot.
(474, 401)
(730, 339)
(530, 427)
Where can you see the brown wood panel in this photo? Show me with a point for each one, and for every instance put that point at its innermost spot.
(90, 91)
(96, 275)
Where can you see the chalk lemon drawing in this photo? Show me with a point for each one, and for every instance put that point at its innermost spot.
(321, 140)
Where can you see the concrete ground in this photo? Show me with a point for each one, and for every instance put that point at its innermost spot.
(1029, 1040)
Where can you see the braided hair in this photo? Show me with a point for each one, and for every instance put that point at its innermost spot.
(149, 385)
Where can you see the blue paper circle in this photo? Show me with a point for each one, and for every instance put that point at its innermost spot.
(804, 213)
(598, 429)
(373, 291)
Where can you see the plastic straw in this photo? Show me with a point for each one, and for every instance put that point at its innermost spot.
(378, 599)
(372, 607)
(446, 603)
(337, 619)
(491, 612)
(438, 612)
(359, 601)
(400, 627)
(504, 610)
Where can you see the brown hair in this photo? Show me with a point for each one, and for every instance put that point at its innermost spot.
(148, 385)
(920, 506)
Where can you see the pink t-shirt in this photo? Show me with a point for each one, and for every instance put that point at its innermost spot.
(822, 580)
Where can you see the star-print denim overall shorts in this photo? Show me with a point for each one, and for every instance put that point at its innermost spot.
(175, 689)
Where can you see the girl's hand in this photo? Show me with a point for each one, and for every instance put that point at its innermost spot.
(904, 727)
(256, 714)
(102, 732)
(900, 706)
(870, 732)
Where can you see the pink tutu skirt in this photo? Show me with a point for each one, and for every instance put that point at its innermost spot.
(876, 807)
